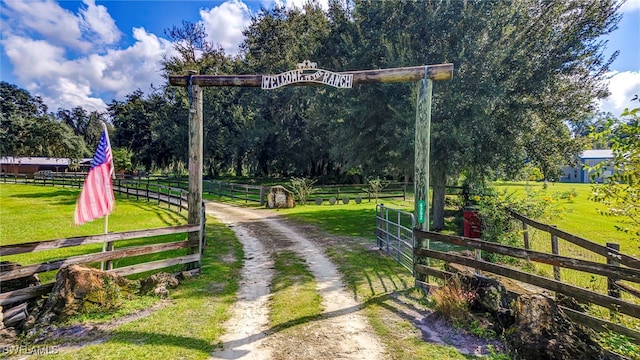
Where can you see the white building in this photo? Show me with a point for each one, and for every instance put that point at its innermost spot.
(588, 158)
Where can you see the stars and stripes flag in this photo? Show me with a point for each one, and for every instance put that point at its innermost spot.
(96, 198)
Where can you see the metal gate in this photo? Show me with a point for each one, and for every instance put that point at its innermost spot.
(394, 234)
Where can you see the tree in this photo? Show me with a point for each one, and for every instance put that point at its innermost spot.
(27, 130)
(621, 191)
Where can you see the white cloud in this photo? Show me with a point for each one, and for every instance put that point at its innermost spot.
(630, 6)
(224, 24)
(92, 28)
(623, 87)
(47, 18)
(85, 81)
(98, 21)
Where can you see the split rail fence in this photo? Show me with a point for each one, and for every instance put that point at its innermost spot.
(552, 260)
(163, 247)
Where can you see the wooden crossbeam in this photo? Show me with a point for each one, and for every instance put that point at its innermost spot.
(392, 75)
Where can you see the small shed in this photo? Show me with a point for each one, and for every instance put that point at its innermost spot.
(578, 174)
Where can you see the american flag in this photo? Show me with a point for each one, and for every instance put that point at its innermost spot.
(96, 198)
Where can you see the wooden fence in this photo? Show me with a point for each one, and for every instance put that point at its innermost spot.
(193, 256)
(173, 190)
(248, 193)
(156, 191)
(620, 267)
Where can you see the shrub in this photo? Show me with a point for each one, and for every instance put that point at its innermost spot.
(375, 186)
(301, 188)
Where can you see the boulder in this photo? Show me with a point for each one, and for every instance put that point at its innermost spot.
(280, 198)
(543, 331)
(157, 284)
(79, 288)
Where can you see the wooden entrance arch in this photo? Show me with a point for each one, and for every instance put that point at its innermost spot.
(306, 74)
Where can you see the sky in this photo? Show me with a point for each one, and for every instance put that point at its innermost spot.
(87, 53)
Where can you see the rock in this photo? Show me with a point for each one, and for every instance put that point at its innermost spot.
(543, 331)
(79, 288)
(280, 198)
(184, 275)
(158, 283)
(161, 292)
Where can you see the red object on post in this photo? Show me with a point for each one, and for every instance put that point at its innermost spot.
(472, 224)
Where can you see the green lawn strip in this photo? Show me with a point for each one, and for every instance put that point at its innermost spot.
(34, 213)
(192, 324)
(294, 298)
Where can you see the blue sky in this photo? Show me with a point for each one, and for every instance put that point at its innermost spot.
(86, 53)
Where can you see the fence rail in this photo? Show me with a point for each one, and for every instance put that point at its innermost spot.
(28, 270)
(160, 191)
(248, 193)
(615, 272)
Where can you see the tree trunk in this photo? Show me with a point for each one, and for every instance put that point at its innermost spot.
(438, 183)
(239, 159)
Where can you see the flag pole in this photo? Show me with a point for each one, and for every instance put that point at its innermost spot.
(107, 245)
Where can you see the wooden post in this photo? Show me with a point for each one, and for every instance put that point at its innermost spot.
(195, 162)
(422, 148)
(611, 283)
(525, 235)
(262, 192)
(555, 250)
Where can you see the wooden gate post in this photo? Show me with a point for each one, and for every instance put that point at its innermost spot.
(422, 149)
(194, 199)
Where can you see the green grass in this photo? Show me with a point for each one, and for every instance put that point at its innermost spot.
(293, 292)
(191, 325)
(580, 216)
(27, 213)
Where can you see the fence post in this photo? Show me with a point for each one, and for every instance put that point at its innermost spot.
(203, 237)
(555, 251)
(261, 195)
(147, 192)
(612, 289)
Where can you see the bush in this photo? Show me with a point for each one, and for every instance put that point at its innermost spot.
(497, 223)
(302, 188)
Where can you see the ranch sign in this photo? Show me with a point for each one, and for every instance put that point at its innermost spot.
(306, 72)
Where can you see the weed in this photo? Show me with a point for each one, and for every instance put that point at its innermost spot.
(619, 344)
(453, 301)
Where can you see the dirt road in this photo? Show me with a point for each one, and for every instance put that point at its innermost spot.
(343, 333)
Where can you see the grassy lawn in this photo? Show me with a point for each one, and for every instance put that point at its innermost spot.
(190, 326)
(580, 216)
